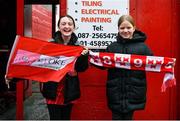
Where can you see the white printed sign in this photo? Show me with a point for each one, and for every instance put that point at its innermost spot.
(96, 20)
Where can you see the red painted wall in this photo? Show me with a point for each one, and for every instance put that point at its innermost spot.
(159, 20)
(155, 18)
(92, 104)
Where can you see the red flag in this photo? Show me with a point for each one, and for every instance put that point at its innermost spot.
(39, 60)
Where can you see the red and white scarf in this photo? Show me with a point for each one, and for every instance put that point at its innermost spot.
(137, 62)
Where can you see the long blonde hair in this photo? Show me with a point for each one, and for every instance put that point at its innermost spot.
(127, 18)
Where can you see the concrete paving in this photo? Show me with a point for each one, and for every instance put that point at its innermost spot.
(34, 107)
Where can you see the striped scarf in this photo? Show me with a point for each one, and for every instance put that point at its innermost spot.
(137, 62)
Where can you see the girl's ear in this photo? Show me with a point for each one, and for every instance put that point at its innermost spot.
(134, 28)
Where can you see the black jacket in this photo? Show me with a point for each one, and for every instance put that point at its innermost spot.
(126, 89)
(72, 87)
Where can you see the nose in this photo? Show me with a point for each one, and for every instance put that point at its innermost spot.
(66, 25)
(125, 30)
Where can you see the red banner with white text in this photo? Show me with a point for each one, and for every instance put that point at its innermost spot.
(39, 60)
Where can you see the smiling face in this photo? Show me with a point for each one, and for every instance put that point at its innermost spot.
(126, 26)
(126, 29)
(66, 26)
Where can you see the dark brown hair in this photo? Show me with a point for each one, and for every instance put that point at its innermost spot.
(68, 17)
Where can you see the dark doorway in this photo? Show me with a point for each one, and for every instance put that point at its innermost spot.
(8, 33)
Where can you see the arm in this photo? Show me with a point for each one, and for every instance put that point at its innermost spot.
(81, 63)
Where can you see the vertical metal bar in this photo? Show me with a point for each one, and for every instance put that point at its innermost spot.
(20, 17)
(19, 100)
(63, 7)
(19, 84)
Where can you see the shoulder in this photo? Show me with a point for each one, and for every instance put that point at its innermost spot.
(143, 47)
(112, 46)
